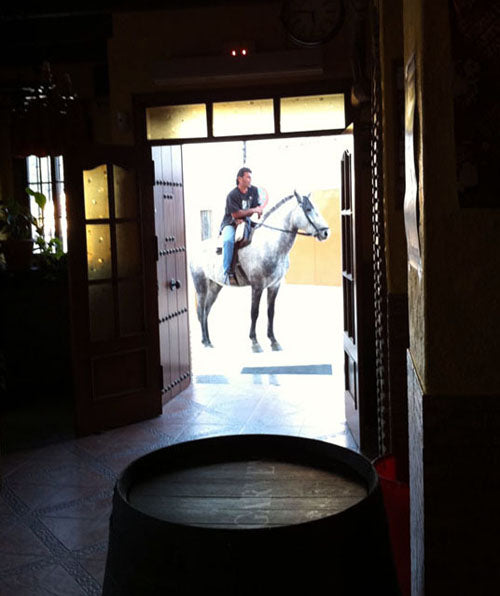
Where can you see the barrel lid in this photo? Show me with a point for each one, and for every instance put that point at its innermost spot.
(247, 482)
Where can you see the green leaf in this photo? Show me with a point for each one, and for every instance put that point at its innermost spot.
(40, 198)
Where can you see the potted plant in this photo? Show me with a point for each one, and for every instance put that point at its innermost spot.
(16, 223)
(49, 254)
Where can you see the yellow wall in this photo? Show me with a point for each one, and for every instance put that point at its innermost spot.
(319, 263)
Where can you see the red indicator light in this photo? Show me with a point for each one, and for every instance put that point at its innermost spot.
(243, 52)
(233, 52)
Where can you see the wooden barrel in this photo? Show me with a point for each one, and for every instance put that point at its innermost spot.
(249, 514)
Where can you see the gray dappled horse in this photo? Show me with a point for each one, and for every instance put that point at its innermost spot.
(264, 262)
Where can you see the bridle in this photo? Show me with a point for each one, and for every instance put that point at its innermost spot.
(303, 204)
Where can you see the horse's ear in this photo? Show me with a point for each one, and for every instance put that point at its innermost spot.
(297, 196)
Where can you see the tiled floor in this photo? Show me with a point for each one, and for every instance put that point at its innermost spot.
(55, 501)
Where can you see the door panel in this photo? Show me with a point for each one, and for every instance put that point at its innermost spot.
(181, 269)
(348, 287)
(357, 285)
(172, 272)
(114, 344)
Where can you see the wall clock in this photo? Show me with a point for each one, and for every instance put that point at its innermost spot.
(312, 22)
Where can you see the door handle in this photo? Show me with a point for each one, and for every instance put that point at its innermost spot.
(175, 284)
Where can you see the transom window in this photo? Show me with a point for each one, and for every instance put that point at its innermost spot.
(251, 117)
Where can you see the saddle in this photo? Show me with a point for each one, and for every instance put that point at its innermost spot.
(242, 237)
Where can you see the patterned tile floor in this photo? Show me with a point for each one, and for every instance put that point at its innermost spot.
(55, 501)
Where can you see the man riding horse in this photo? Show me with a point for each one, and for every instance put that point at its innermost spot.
(241, 203)
(263, 263)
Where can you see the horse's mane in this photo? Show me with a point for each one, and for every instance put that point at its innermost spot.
(274, 208)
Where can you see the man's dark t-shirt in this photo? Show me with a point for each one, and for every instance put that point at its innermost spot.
(237, 201)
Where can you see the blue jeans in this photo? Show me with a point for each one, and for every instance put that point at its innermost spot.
(228, 247)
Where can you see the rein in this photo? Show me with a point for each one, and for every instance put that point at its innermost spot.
(277, 206)
(263, 225)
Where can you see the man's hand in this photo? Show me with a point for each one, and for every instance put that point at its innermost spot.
(247, 212)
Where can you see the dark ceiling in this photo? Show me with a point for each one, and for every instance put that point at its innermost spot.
(59, 31)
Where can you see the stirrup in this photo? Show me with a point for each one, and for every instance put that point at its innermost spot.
(230, 280)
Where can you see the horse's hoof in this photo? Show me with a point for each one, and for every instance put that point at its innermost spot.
(256, 347)
(276, 347)
(207, 344)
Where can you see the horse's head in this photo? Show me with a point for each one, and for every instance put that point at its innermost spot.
(309, 219)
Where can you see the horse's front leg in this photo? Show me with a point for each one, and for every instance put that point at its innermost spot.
(272, 292)
(256, 296)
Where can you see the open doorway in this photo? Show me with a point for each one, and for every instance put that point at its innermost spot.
(309, 311)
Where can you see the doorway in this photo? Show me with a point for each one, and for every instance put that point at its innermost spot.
(156, 267)
(309, 312)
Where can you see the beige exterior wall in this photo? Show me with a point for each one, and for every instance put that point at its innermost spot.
(319, 263)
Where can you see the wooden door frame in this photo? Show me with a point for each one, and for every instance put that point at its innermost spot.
(366, 347)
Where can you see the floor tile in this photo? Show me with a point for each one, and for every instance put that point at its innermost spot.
(80, 525)
(56, 500)
(51, 489)
(51, 579)
(93, 560)
(208, 430)
(20, 547)
(108, 444)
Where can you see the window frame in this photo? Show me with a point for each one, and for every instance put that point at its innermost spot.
(141, 102)
(56, 195)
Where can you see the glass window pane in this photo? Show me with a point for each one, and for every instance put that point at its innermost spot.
(101, 312)
(98, 251)
(45, 173)
(206, 224)
(48, 219)
(128, 249)
(253, 116)
(125, 192)
(59, 167)
(64, 220)
(176, 122)
(312, 112)
(95, 190)
(33, 169)
(131, 303)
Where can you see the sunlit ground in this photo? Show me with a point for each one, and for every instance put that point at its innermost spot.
(308, 325)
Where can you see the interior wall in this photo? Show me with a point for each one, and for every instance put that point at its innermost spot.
(200, 31)
(413, 46)
(453, 335)
(391, 56)
(453, 372)
(392, 104)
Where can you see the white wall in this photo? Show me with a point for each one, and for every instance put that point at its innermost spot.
(279, 165)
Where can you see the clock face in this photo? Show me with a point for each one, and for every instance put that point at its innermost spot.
(312, 22)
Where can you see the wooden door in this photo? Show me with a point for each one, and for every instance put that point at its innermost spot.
(172, 270)
(114, 314)
(357, 286)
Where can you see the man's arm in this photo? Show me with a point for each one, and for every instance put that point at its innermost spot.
(242, 213)
(257, 207)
